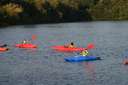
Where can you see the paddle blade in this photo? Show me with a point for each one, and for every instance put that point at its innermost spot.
(90, 46)
(34, 37)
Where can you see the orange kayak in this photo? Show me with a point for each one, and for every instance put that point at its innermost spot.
(26, 45)
(2, 49)
(125, 62)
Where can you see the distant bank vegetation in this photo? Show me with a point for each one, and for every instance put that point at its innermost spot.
(47, 11)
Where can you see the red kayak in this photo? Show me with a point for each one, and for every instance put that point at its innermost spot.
(67, 49)
(2, 49)
(26, 46)
(125, 62)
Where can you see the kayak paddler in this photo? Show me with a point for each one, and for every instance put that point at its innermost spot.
(25, 41)
(4, 45)
(84, 53)
(71, 45)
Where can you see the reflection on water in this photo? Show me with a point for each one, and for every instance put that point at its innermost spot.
(90, 70)
(44, 66)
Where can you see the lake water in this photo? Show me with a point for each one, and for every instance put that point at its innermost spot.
(44, 66)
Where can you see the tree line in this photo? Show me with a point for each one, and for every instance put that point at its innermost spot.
(51, 11)
(42, 11)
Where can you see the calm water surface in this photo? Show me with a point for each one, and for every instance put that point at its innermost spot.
(44, 66)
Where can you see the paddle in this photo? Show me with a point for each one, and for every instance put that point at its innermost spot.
(90, 46)
(34, 37)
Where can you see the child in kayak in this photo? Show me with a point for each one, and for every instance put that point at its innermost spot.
(25, 42)
(71, 45)
(84, 53)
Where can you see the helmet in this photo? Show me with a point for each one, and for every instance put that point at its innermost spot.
(72, 43)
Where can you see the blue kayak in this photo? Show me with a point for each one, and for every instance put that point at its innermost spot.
(81, 58)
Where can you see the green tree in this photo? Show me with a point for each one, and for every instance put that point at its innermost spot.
(110, 10)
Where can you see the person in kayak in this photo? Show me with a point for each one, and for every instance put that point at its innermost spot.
(4, 45)
(71, 45)
(84, 53)
(25, 41)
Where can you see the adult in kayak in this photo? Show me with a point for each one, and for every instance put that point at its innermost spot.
(71, 45)
(84, 53)
(4, 45)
